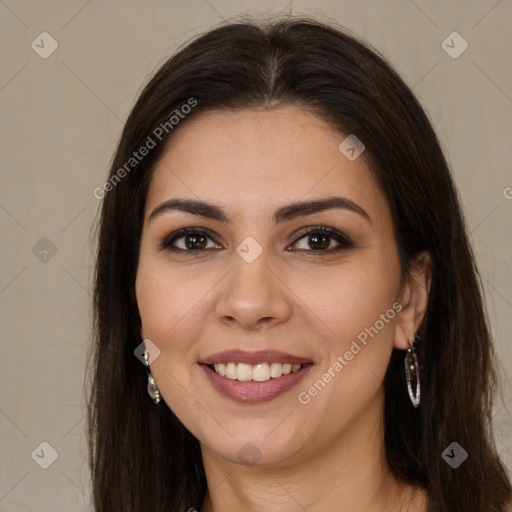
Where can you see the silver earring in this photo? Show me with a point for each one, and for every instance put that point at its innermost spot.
(412, 372)
(153, 391)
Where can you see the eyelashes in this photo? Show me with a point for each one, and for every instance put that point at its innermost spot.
(168, 241)
(200, 238)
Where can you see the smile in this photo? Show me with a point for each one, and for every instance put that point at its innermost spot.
(254, 377)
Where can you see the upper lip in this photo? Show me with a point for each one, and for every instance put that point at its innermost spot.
(252, 358)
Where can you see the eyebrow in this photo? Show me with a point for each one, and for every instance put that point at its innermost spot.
(284, 213)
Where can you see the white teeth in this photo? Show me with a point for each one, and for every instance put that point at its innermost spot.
(220, 369)
(231, 371)
(244, 372)
(259, 372)
(276, 370)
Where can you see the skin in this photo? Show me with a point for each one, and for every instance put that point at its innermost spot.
(327, 455)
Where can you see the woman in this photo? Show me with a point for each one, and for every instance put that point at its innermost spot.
(283, 266)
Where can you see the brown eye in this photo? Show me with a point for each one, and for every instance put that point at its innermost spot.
(188, 240)
(320, 239)
(195, 242)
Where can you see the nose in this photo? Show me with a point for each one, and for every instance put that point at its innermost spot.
(253, 296)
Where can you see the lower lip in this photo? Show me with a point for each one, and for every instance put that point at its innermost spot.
(252, 392)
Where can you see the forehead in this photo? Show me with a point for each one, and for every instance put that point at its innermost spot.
(258, 157)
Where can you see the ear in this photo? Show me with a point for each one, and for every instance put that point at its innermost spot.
(414, 299)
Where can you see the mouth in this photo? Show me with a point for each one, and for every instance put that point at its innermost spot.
(254, 377)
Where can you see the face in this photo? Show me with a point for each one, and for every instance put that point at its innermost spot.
(275, 283)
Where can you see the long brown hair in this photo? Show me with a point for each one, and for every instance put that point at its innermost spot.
(141, 456)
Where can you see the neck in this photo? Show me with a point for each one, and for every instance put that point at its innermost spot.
(350, 474)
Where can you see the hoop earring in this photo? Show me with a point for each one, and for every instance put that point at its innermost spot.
(412, 372)
(153, 391)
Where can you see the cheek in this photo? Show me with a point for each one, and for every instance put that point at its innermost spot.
(175, 302)
(358, 304)
(351, 299)
(165, 304)
(169, 307)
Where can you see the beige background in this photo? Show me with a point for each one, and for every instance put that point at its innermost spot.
(61, 118)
